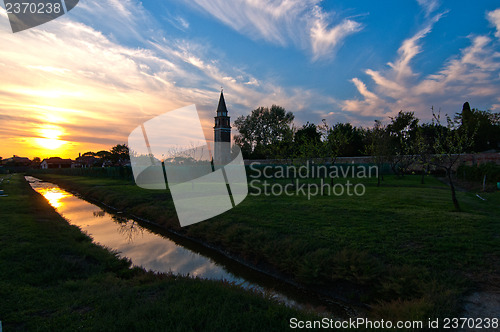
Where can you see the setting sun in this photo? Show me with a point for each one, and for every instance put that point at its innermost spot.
(49, 139)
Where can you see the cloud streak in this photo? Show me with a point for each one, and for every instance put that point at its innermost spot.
(494, 18)
(429, 5)
(302, 23)
(472, 75)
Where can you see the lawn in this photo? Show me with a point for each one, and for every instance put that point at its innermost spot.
(400, 249)
(53, 278)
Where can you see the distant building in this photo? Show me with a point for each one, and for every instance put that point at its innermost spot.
(16, 161)
(222, 133)
(56, 162)
(86, 161)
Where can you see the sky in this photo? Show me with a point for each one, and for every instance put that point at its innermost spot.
(84, 81)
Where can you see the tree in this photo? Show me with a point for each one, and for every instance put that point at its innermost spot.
(449, 146)
(338, 140)
(424, 146)
(348, 138)
(378, 146)
(120, 154)
(307, 141)
(117, 155)
(262, 132)
(35, 162)
(284, 148)
(402, 131)
(103, 154)
(331, 142)
(485, 124)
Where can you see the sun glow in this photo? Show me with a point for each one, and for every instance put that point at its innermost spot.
(49, 139)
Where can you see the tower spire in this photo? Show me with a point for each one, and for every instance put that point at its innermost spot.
(221, 108)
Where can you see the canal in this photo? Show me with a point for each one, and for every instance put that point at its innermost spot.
(158, 250)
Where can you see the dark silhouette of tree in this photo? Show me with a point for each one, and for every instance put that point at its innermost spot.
(332, 141)
(449, 146)
(485, 124)
(350, 139)
(338, 140)
(262, 133)
(307, 141)
(378, 146)
(120, 154)
(270, 133)
(104, 155)
(35, 162)
(402, 131)
(424, 146)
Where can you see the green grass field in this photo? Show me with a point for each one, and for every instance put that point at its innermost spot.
(401, 248)
(53, 278)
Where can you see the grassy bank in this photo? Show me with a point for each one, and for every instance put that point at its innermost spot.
(52, 277)
(400, 248)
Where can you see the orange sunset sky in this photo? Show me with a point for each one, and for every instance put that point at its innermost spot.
(68, 89)
(71, 92)
(84, 81)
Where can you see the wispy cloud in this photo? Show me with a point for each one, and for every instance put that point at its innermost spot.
(182, 22)
(325, 39)
(429, 5)
(472, 75)
(177, 21)
(302, 23)
(409, 49)
(494, 18)
(125, 20)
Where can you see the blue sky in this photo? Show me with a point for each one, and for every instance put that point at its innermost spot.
(111, 64)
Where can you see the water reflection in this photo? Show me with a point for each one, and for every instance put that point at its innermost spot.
(100, 213)
(155, 252)
(129, 229)
(126, 236)
(55, 196)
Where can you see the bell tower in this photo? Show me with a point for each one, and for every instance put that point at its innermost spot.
(222, 132)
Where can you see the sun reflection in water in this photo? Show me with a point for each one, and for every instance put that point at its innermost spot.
(54, 196)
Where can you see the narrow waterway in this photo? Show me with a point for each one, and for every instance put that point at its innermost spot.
(157, 250)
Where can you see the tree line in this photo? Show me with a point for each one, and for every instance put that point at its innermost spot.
(269, 133)
(118, 155)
